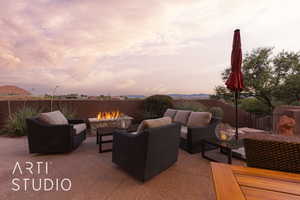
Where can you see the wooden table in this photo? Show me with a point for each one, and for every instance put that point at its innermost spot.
(239, 183)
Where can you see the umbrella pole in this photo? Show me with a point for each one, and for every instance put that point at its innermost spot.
(236, 115)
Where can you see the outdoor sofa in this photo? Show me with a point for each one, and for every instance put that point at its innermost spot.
(274, 152)
(53, 133)
(150, 150)
(195, 126)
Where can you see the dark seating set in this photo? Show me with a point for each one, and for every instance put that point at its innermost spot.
(154, 147)
(143, 154)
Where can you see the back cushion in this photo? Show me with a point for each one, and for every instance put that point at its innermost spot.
(153, 123)
(199, 119)
(53, 118)
(182, 116)
(170, 113)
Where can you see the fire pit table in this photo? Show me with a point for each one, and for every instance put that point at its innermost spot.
(121, 122)
(108, 121)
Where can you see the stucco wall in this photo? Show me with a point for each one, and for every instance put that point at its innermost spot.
(90, 108)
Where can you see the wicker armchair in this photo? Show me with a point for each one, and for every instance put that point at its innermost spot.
(275, 152)
(148, 153)
(45, 138)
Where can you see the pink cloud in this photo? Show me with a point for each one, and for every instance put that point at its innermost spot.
(87, 45)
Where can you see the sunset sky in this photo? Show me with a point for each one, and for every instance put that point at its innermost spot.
(122, 47)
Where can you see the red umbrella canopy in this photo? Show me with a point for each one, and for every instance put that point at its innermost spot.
(235, 80)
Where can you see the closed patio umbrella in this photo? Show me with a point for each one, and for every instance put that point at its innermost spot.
(235, 80)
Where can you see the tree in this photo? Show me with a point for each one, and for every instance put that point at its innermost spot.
(254, 105)
(270, 79)
(288, 73)
(154, 106)
(223, 93)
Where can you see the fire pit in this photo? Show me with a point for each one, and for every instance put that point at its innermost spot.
(111, 119)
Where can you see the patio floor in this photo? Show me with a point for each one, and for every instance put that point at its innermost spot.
(94, 176)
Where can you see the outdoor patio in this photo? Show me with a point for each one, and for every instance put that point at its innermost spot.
(94, 176)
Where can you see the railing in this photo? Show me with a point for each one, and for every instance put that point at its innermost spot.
(261, 121)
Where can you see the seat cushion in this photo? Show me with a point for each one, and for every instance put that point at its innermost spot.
(198, 119)
(53, 118)
(133, 133)
(170, 113)
(182, 116)
(153, 123)
(183, 132)
(79, 128)
(141, 127)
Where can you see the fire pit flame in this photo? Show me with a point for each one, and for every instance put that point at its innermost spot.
(108, 115)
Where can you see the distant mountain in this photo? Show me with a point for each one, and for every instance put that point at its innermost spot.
(8, 90)
(135, 96)
(189, 96)
(175, 96)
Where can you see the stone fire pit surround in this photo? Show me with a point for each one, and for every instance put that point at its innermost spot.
(122, 122)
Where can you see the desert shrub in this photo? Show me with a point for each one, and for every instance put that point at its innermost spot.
(217, 112)
(3, 131)
(190, 105)
(156, 105)
(68, 111)
(16, 124)
(254, 105)
(295, 103)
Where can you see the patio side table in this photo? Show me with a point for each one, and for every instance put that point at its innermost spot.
(101, 134)
(226, 147)
(107, 133)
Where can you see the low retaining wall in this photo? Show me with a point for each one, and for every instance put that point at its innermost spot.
(90, 108)
(84, 108)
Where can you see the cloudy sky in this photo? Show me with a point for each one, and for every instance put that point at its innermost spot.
(135, 46)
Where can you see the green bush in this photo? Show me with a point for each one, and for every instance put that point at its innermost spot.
(190, 105)
(156, 105)
(254, 105)
(295, 103)
(16, 124)
(217, 112)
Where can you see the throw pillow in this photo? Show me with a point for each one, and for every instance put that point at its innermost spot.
(199, 119)
(153, 123)
(182, 116)
(53, 118)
